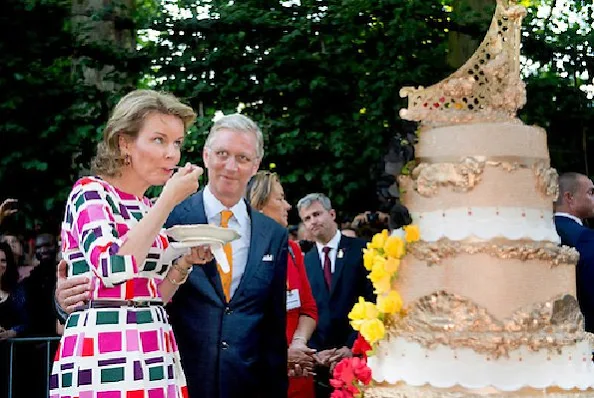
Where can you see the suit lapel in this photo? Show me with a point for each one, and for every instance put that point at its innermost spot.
(315, 274)
(258, 240)
(195, 214)
(341, 256)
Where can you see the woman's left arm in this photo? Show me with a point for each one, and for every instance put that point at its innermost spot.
(308, 314)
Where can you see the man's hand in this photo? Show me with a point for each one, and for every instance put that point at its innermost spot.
(73, 292)
(323, 357)
(343, 352)
(7, 334)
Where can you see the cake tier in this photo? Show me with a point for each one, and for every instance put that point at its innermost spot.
(484, 223)
(478, 184)
(500, 277)
(505, 141)
(401, 390)
(400, 361)
(446, 340)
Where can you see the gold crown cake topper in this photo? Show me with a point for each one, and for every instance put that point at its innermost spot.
(487, 88)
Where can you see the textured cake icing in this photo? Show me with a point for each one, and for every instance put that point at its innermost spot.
(489, 292)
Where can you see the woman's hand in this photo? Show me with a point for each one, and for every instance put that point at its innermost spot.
(182, 184)
(300, 359)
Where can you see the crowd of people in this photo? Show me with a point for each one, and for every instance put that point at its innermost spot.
(135, 320)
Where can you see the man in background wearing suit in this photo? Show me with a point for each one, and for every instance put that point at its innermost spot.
(338, 278)
(575, 204)
(230, 327)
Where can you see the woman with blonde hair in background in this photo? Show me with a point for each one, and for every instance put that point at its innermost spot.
(265, 193)
(120, 344)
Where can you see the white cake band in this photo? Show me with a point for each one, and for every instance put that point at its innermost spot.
(397, 359)
(484, 223)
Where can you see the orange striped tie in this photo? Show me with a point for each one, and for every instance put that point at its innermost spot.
(226, 277)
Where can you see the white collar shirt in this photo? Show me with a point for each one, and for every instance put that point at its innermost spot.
(574, 218)
(241, 222)
(333, 245)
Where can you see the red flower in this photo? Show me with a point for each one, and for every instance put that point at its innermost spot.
(361, 346)
(348, 375)
(340, 394)
(361, 370)
(343, 374)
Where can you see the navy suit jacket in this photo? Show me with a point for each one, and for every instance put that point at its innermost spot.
(235, 349)
(349, 281)
(582, 239)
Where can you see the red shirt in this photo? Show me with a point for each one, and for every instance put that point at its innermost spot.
(299, 387)
(297, 279)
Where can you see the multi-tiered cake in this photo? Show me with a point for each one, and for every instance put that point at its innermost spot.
(490, 294)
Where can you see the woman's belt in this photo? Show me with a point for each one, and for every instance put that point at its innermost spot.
(119, 303)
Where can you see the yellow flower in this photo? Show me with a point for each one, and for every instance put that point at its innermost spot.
(373, 330)
(378, 271)
(412, 233)
(368, 256)
(362, 311)
(391, 265)
(383, 285)
(378, 241)
(394, 247)
(390, 303)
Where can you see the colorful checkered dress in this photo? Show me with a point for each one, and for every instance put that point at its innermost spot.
(122, 352)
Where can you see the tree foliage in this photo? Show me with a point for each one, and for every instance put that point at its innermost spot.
(322, 78)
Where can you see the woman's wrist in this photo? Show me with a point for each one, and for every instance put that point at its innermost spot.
(182, 265)
(178, 273)
(299, 340)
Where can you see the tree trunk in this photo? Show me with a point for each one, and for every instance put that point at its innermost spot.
(102, 29)
(470, 22)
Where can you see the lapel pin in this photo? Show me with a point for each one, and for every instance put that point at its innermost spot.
(340, 253)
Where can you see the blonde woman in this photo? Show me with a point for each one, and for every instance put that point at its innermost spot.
(265, 193)
(120, 344)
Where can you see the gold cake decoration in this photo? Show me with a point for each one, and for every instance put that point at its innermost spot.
(548, 179)
(487, 88)
(434, 252)
(443, 318)
(466, 173)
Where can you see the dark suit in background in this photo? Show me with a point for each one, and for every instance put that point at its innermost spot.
(582, 239)
(349, 281)
(235, 349)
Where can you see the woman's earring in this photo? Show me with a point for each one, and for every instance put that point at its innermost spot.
(127, 160)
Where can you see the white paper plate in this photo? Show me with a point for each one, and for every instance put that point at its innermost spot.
(195, 242)
(194, 232)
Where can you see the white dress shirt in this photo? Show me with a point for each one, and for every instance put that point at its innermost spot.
(241, 222)
(333, 245)
(574, 218)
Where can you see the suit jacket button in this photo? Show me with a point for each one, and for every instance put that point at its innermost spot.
(228, 311)
(224, 345)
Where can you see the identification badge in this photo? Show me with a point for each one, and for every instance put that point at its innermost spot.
(293, 300)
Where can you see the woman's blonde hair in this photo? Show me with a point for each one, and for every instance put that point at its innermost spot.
(259, 188)
(127, 119)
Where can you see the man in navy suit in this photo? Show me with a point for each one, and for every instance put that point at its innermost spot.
(338, 278)
(230, 328)
(575, 204)
(232, 340)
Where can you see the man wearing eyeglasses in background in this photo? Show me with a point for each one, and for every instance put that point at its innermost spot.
(230, 328)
